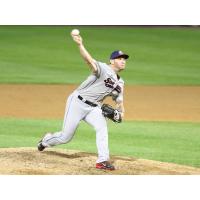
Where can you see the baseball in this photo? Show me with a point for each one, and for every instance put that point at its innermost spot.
(75, 32)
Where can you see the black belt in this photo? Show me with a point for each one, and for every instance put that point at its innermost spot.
(87, 102)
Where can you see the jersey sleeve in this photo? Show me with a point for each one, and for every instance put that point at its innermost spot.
(101, 68)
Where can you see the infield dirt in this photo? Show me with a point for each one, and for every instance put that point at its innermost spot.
(149, 103)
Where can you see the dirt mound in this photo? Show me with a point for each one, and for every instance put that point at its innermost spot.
(28, 161)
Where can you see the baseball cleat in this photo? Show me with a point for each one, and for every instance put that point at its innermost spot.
(105, 165)
(40, 146)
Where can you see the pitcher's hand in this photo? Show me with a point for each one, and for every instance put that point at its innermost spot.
(78, 39)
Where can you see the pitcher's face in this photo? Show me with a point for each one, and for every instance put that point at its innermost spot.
(120, 63)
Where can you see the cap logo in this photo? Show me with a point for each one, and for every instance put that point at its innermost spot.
(120, 52)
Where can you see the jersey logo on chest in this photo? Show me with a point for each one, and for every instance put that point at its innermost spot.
(109, 83)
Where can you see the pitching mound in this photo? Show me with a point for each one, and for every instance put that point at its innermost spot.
(28, 161)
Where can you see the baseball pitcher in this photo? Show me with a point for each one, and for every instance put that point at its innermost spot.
(86, 103)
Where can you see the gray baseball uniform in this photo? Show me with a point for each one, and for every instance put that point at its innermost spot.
(104, 83)
(84, 104)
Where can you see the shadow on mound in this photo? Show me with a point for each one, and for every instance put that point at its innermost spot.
(69, 156)
(84, 154)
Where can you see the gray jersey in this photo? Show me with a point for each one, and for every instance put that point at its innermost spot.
(102, 84)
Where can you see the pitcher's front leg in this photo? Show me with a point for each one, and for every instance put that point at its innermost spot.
(98, 121)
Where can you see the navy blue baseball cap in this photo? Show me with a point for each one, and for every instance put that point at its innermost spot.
(117, 54)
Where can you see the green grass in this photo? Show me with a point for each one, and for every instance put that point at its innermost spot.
(163, 141)
(47, 54)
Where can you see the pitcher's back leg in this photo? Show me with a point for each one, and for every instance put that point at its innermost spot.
(73, 114)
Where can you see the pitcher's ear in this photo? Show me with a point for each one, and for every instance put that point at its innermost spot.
(112, 62)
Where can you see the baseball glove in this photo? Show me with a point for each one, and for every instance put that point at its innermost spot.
(111, 113)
